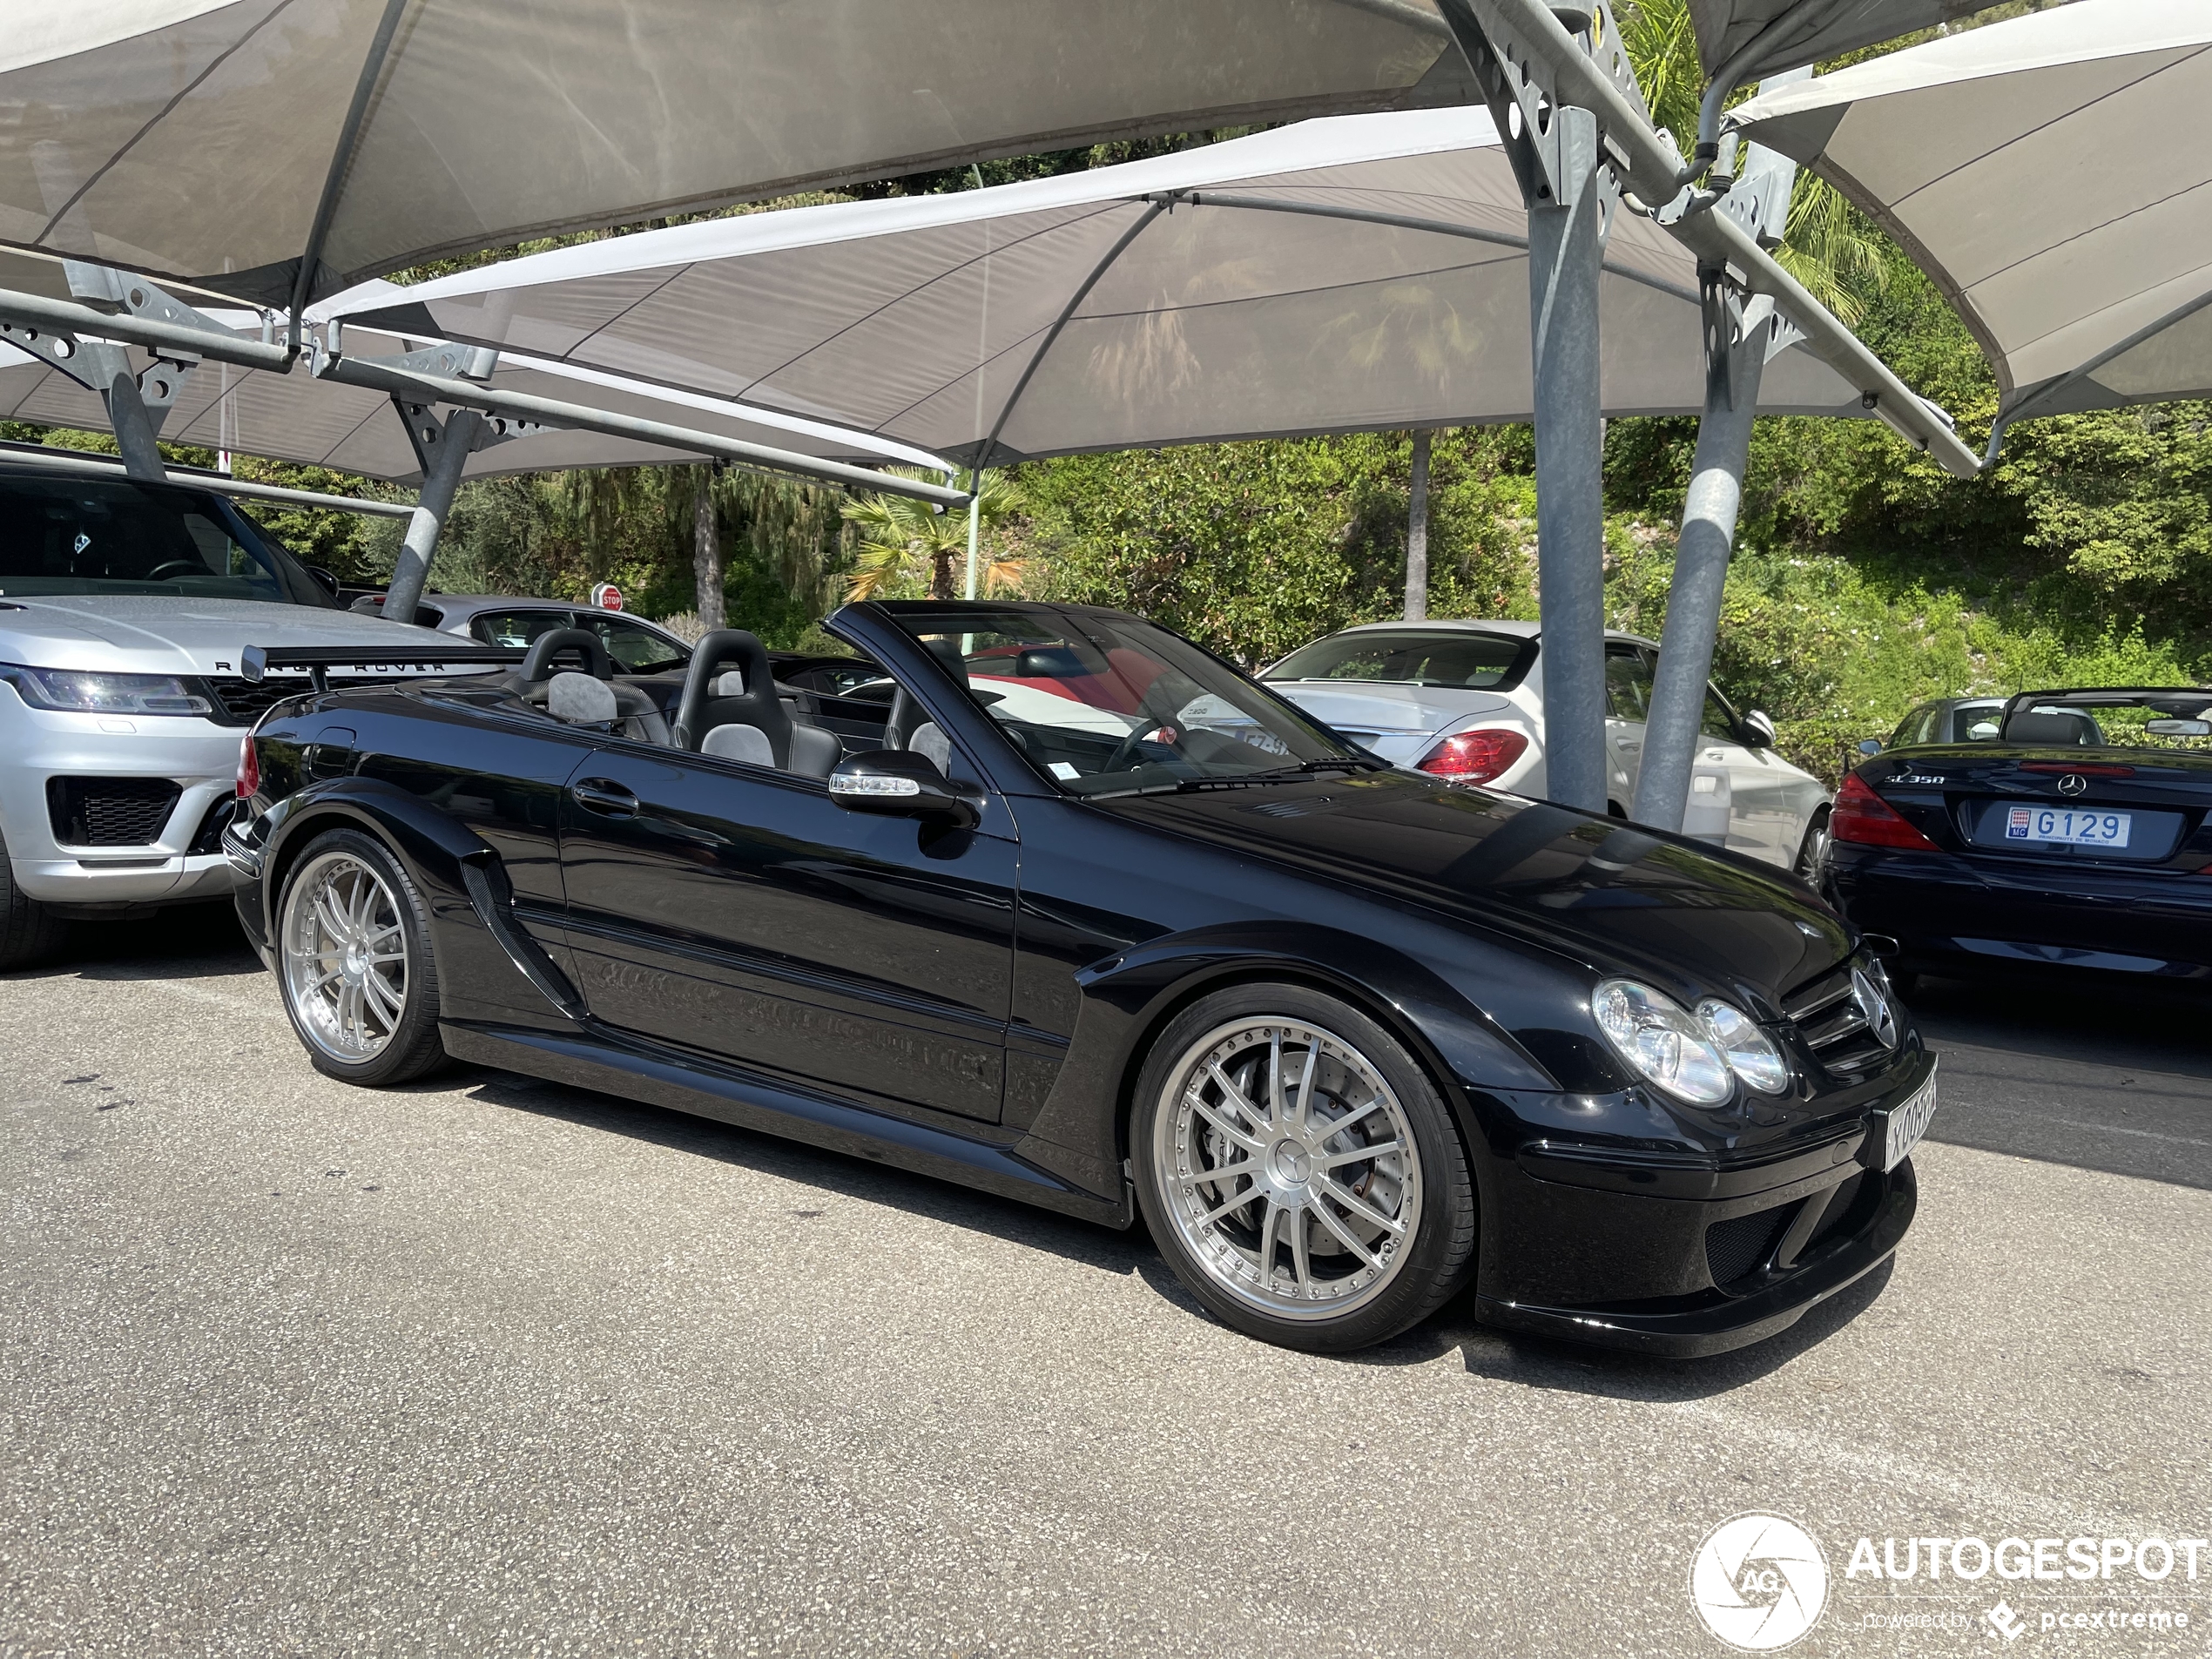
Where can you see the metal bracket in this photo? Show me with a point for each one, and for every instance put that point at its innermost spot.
(1521, 96)
(427, 428)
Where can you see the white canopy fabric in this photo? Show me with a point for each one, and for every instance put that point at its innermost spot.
(194, 139)
(1795, 32)
(297, 417)
(2053, 175)
(919, 318)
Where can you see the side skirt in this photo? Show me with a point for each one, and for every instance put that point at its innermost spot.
(599, 1059)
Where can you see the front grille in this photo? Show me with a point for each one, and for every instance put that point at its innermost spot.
(241, 702)
(109, 812)
(1833, 1025)
(1735, 1248)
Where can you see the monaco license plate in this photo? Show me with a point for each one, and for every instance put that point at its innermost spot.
(1908, 1122)
(2067, 826)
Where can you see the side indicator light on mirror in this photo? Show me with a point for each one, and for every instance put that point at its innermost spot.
(1861, 816)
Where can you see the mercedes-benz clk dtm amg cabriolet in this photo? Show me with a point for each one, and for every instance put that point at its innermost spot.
(1091, 919)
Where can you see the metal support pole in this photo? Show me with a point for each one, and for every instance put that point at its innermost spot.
(432, 503)
(1673, 726)
(1739, 338)
(1566, 244)
(975, 527)
(1416, 531)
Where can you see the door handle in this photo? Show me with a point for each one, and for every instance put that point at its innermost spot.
(597, 795)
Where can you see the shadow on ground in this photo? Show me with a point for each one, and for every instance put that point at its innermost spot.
(201, 940)
(2069, 1069)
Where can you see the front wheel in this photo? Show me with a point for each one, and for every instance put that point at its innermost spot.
(1299, 1170)
(353, 956)
(28, 932)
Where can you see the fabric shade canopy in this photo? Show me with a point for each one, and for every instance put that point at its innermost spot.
(935, 321)
(2054, 174)
(1785, 34)
(296, 417)
(226, 141)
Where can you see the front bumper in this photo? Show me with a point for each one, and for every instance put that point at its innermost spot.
(177, 864)
(1668, 1256)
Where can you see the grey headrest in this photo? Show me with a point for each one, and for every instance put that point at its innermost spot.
(580, 699)
(2046, 728)
(735, 742)
(929, 741)
(729, 685)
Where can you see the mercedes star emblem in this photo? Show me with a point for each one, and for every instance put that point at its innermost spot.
(1874, 1009)
(2073, 784)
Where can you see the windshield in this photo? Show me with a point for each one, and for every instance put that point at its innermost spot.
(93, 536)
(1413, 656)
(1109, 704)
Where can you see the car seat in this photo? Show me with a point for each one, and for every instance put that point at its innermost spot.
(730, 707)
(568, 674)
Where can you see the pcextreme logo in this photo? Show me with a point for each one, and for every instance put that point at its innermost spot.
(1758, 1581)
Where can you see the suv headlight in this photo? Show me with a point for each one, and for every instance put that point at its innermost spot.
(1697, 1057)
(85, 694)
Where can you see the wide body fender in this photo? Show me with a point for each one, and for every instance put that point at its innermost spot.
(490, 966)
(1081, 1130)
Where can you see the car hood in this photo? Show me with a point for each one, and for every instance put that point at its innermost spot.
(1376, 706)
(143, 633)
(1618, 897)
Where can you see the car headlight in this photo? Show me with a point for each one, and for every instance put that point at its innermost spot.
(85, 694)
(1663, 1041)
(1749, 1052)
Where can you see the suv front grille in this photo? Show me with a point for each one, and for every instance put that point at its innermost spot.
(1833, 1025)
(242, 702)
(109, 812)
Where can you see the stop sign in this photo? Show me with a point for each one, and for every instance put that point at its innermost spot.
(607, 596)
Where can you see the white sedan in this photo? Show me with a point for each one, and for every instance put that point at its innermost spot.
(1464, 700)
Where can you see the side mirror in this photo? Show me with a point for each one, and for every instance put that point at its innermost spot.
(327, 580)
(1758, 730)
(897, 783)
(1869, 746)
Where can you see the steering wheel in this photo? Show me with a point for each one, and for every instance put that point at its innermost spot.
(190, 567)
(1126, 748)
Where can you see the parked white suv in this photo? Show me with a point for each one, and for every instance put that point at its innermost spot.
(1464, 700)
(123, 609)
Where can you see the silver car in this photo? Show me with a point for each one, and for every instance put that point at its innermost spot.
(1464, 700)
(637, 645)
(123, 609)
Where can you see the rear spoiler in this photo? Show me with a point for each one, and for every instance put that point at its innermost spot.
(256, 663)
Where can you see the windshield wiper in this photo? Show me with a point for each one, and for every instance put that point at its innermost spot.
(1327, 763)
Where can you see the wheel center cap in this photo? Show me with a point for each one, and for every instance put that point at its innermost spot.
(356, 962)
(1289, 1163)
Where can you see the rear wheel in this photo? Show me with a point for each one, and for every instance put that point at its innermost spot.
(353, 956)
(1299, 1170)
(1811, 866)
(28, 932)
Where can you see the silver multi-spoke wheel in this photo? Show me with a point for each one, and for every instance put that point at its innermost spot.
(1288, 1167)
(345, 958)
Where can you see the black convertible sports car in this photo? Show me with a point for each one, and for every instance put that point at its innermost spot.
(2077, 833)
(1090, 920)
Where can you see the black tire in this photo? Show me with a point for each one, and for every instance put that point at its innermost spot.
(29, 933)
(1420, 1272)
(410, 1047)
(1811, 866)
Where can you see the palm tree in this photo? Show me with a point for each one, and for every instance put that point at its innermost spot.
(896, 531)
(1829, 246)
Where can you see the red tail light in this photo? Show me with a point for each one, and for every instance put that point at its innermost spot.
(1861, 815)
(1475, 757)
(249, 770)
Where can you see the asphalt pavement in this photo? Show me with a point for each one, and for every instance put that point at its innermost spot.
(486, 1366)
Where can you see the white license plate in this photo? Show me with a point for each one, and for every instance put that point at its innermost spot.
(2067, 826)
(1908, 1122)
